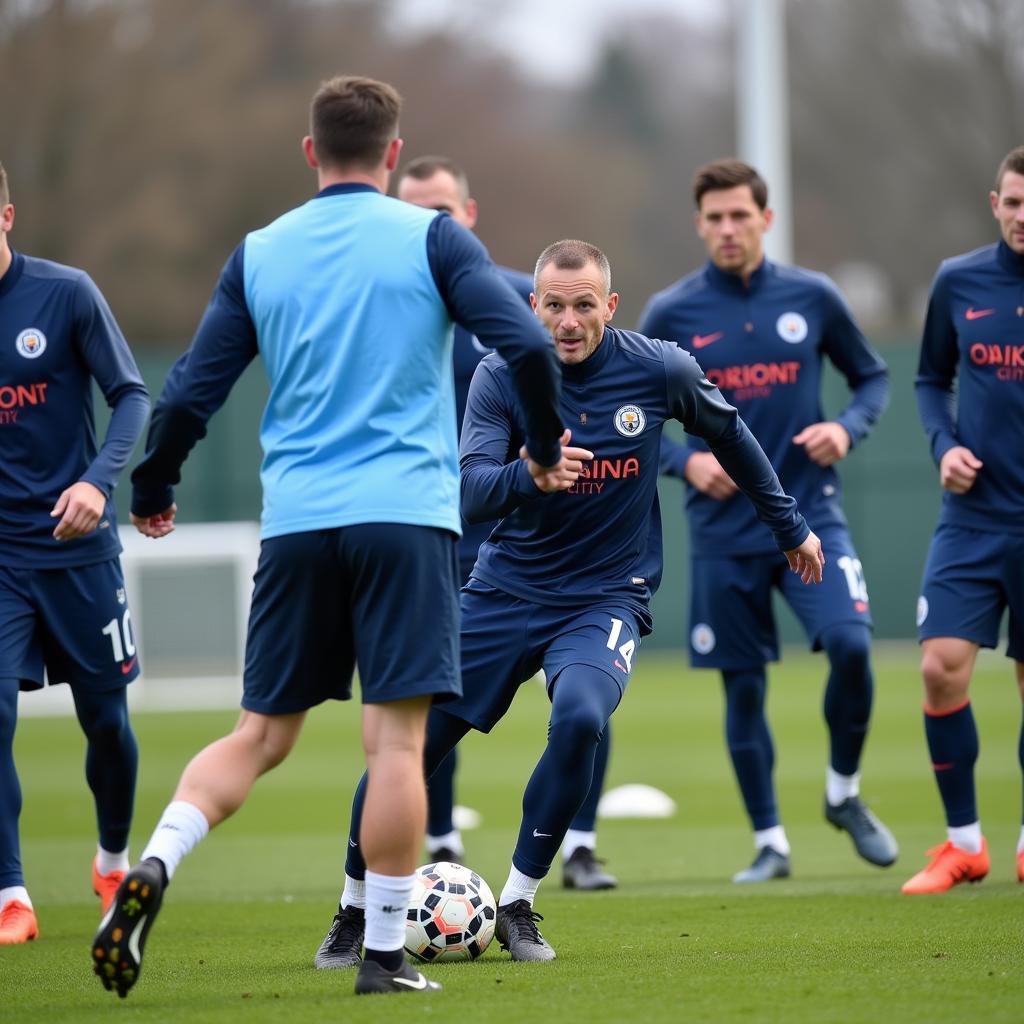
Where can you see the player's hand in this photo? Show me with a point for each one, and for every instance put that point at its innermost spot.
(705, 473)
(564, 473)
(958, 469)
(156, 526)
(80, 508)
(825, 443)
(807, 561)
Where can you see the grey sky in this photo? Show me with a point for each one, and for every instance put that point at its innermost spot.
(553, 39)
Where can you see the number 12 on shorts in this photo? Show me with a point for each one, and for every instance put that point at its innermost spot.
(627, 649)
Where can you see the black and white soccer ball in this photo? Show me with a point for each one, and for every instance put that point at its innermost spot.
(451, 914)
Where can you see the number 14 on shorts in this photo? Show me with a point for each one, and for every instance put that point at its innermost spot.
(626, 650)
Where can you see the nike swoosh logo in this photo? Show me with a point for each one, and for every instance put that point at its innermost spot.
(977, 314)
(703, 340)
(133, 939)
(128, 666)
(419, 984)
(541, 835)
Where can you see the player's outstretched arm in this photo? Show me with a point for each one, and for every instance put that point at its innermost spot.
(485, 304)
(702, 410)
(807, 560)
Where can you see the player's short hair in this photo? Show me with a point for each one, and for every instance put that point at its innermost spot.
(572, 254)
(424, 167)
(352, 121)
(730, 173)
(1013, 161)
(5, 189)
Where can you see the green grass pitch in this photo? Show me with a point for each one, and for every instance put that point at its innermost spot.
(676, 941)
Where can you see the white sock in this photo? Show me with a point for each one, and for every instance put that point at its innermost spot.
(452, 840)
(966, 837)
(107, 861)
(387, 902)
(15, 892)
(775, 837)
(840, 787)
(181, 828)
(518, 887)
(574, 839)
(1020, 842)
(354, 894)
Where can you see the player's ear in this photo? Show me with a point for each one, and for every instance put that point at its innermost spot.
(391, 156)
(471, 212)
(993, 201)
(609, 312)
(533, 302)
(769, 217)
(309, 153)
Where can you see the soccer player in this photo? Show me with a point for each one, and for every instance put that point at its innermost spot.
(440, 183)
(762, 332)
(349, 299)
(62, 594)
(564, 581)
(975, 567)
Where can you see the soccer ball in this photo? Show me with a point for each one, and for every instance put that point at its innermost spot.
(451, 914)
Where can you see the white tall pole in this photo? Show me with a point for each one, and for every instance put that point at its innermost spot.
(763, 111)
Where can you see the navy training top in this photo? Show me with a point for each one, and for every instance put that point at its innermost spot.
(975, 329)
(764, 344)
(601, 539)
(58, 335)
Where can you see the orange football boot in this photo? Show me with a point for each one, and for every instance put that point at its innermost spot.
(1020, 866)
(17, 924)
(950, 867)
(106, 886)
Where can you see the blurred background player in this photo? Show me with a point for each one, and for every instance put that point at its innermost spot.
(62, 596)
(564, 581)
(439, 183)
(975, 567)
(761, 332)
(349, 300)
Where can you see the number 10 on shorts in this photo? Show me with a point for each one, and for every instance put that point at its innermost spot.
(627, 649)
(115, 630)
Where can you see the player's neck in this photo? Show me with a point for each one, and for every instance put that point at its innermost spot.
(6, 256)
(747, 272)
(326, 178)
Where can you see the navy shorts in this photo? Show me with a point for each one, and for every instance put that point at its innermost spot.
(732, 625)
(970, 578)
(380, 596)
(74, 621)
(505, 640)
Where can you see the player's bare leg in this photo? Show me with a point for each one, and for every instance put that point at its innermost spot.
(394, 818)
(213, 786)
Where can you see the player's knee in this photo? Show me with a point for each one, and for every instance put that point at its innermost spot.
(576, 729)
(744, 696)
(945, 676)
(849, 647)
(269, 737)
(108, 727)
